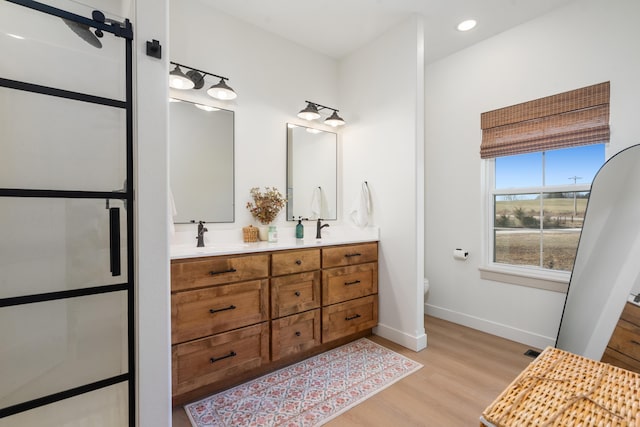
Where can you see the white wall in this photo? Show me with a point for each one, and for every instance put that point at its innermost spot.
(151, 141)
(586, 42)
(381, 95)
(272, 77)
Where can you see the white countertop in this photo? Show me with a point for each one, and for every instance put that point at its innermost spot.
(229, 242)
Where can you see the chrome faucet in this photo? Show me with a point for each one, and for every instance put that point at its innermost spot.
(319, 227)
(201, 230)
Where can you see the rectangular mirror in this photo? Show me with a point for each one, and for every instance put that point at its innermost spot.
(201, 157)
(311, 173)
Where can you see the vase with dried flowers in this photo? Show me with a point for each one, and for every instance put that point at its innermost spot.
(265, 206)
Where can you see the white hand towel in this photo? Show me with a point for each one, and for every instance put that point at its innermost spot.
(316, 203)
(361, 207)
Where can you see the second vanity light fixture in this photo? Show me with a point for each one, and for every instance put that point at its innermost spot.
(312, 112)
(194, 79)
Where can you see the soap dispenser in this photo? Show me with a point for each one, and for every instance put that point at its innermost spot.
(299, 229)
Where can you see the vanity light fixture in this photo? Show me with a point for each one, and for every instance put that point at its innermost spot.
(195, 79)
(221, 90)
(312, 112)
(179, 80)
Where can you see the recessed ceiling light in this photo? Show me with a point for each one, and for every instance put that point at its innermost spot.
(467, 25)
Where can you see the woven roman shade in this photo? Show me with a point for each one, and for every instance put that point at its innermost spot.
(568, 119)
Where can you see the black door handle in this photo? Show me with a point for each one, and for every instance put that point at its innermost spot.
(114, 241)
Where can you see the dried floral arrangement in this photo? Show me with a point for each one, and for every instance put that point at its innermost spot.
(267, 205)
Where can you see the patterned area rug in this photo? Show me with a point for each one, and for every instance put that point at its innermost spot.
(308, 393)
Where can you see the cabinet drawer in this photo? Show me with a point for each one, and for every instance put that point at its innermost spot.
(197, 273)
(631, 313)
(339, 256)
(295, 293)
(626, 339)
(349, 317)
(202, 312)
(203, 362)
(294, 334)
(290, 262)
(345, 283)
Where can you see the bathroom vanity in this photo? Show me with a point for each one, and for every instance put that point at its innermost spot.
(239, 314)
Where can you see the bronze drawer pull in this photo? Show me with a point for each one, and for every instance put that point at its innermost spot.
(298, 333)
(352, 317)
(355, 282)
(215, 359)
(297, 293)
(213, 310)
(299, 261)
(350, 255)
(231, 270)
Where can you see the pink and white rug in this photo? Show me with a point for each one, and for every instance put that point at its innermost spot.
(308, 393)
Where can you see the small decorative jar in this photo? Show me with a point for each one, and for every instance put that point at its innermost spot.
(273, 234)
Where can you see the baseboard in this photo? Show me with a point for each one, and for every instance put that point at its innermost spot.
(490, 327)
(415, 343)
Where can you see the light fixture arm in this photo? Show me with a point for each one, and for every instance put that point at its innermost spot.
(204, 73)
(321, 107)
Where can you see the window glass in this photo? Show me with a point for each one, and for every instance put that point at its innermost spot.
(539, 228)
(573, 165)
(522, 170)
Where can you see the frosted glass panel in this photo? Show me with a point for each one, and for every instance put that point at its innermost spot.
(54, 346)
(52, 245)
(60, 144)
(52, 54)
(106, 407)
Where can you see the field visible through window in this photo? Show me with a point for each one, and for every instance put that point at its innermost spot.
(521, 230)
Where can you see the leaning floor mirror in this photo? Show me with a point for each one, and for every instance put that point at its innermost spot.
(607, 265)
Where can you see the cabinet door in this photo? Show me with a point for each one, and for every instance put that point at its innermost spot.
(295, 334)
(203, 362)
(289, 262)
(345, 283)
(197, 273)
(339, 256)
(295, 293)
(340, 320)
(202, 312)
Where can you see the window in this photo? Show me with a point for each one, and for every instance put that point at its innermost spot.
(538, 203)
(540, 159)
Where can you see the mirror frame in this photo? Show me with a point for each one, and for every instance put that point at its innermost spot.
(229, 217)
(290, 127)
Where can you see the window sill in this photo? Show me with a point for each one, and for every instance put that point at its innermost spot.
(547, 280)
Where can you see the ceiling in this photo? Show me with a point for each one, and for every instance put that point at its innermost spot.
(338, 27)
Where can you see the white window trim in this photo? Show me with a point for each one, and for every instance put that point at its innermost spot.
(539, 278)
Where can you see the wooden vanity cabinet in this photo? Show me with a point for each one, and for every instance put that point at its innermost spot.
(219, 319)
(349, 290)
(623, 349)
(235, 317)
(295, 302)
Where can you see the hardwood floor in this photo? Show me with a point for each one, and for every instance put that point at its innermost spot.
(464, 371)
